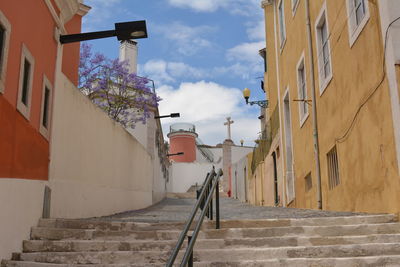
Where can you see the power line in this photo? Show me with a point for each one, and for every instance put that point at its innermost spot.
(346, 134)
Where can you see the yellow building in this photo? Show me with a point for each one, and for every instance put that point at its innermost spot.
(331, 68)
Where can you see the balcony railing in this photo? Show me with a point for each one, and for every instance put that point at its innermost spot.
(263, 144)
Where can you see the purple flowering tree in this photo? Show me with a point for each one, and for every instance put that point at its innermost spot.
(124, 96)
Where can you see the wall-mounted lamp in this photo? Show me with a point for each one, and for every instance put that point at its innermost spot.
(261, 103)
(172, 115)
(175, 154)
(123, 31)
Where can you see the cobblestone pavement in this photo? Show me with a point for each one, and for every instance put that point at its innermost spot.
(178, 209)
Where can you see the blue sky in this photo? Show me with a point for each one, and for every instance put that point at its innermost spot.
(200, 53)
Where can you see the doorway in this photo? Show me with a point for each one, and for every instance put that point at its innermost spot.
(290, 193)
(276, 195)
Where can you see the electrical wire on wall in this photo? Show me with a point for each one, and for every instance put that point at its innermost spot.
(373, 91)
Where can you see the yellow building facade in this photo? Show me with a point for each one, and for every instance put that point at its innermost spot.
(338, 150)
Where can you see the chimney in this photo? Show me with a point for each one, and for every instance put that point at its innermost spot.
(128, 52)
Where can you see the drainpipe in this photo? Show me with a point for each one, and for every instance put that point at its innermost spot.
(314, 107)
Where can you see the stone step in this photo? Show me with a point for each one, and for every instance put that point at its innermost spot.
(94, 245)
(9, 263)
(115, 257)
(128, 226)
(108, 225)
(332, 230)
(374, 261)
(219, 255)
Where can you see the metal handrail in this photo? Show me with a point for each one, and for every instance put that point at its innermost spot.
(212, 179)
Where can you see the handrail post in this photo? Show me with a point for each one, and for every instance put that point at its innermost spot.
(217, 224)
(211, 205)
(181, 238)
(190, 262)
(211, 183)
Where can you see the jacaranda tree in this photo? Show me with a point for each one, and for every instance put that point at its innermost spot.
(125, 97)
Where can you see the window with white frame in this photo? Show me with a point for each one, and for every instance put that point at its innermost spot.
(358, 15)
(323, 49)
(295, 3)
(45, 115)
(302, 90)
(282, 30)
(25, 82)
(5, 30)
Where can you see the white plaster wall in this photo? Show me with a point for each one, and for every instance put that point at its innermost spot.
(21, 206)
(389, 10)
(239, 180)
(217, 151)
(200, 157)
(140, 133)
(97, 167)
(159, 182)
(184, 175)
(238, 152)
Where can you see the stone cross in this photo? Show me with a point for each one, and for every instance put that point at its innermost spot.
(228, 123)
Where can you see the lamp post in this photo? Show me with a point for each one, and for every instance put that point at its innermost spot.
(175, 154)
(261, 103)
(172, 115)
(123, 31)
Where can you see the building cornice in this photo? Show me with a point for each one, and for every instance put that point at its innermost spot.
(265, 3)
(83, 9)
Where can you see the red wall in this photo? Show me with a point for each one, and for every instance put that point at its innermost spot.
(24, 152)
(71, 51)
(186, 143)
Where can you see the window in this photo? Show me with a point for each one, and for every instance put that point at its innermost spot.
(308, 182)
(302, 90)
(46, 108)
(295, 4)
(323, 49)
(282, 30)
(358, 15)
(5, 30)
(333, 168)
(25, 82)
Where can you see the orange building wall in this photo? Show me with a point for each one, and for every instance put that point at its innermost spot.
(24, 152)
(71, 51)
(185, 143)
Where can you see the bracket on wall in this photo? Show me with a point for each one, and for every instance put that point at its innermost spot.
(308, 101)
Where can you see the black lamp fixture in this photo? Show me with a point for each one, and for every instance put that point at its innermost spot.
(123, 31)
(172, 115)
(261, 103)
(175, 154)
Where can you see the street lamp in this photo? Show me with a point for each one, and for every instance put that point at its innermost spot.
(261, 103)
(123, 31)
(172, 115)
(175, 154)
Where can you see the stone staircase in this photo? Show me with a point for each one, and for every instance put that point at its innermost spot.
(362, 240)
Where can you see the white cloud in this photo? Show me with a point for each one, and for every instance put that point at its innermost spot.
(189, 40)
(200, 101)
(240, 7)
(207, 104)
(166, 72)
(246, 52)
(101, 11)
(256, 30)
(199, 5)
